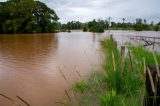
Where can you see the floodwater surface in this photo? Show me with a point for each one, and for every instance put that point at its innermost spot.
(30, 64)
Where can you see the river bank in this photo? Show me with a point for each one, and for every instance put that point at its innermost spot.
(121, 79)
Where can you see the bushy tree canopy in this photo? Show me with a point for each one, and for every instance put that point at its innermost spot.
(96, 26)
(26, 16)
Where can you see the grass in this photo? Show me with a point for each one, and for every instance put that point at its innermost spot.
(112, 86)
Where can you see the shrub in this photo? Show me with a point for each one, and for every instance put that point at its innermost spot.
(156, 28)
(80, 86)
(109, 99)
(97, 28)
(85, 29)
(138, 27)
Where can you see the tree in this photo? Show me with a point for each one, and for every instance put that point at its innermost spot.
(85, 29)
(145, 21)
(123, 24)
(138, 26)
(123, 19)
(95, 26)
(26, 16)
(113, 24)
(152, 23)
(106, 24)
(158, 23)
(145, 26)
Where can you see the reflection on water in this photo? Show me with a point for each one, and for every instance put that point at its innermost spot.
(23, 60)
(29, 63)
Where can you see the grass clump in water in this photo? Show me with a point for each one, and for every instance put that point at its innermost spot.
(112, 85)
(79, 87)
(110, 99)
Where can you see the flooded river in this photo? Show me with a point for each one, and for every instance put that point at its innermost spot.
(30, 64)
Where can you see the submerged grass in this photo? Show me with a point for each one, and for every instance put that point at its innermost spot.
(113, 85)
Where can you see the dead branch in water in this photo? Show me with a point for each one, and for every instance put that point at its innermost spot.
(68, 95)
(7, 98)
(78, 73)
(23, 101)
(10, 99)
(62, 73)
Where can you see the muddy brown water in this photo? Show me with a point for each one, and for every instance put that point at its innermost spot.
(29, 63)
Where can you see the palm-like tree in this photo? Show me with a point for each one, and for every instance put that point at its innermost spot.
(123, 19)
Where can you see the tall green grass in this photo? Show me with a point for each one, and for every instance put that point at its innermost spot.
(109, 86)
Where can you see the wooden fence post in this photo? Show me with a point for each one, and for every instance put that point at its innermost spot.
(122, 58)
(111, 37)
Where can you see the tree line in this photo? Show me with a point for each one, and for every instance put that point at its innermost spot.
(26, 16)
(101, 25)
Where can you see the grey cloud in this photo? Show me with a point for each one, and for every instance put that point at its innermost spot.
(89, 9)
(85, 10)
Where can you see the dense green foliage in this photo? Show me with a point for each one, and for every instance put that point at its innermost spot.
(156, 28)
(92, 26)
(101, 25)
(26, 16)
(140, 25)
(123, 26)
(73, 25)
(108, 86)
(96, 26)
(85, 29)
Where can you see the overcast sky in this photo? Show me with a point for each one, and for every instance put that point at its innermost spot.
(86, 10)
